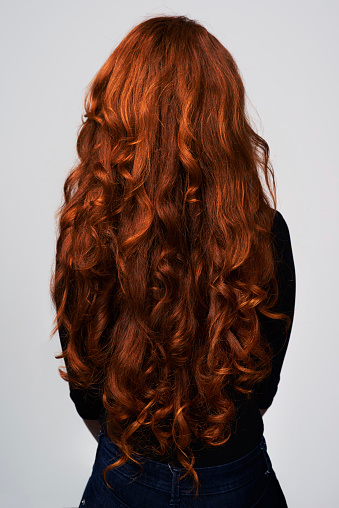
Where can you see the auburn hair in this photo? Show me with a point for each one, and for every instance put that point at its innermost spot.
(165, 255)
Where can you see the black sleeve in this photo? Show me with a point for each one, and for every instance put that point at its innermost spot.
(274, 329)
(88, 403)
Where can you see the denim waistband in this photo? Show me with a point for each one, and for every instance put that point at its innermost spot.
(213, 479)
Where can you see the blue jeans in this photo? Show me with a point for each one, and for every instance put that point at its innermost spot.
(245, 483)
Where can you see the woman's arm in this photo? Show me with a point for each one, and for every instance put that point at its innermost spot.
(274, 330)
(88, 403)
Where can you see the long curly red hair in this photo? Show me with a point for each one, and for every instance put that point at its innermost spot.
(164, 256)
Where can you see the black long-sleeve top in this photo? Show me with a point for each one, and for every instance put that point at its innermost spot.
(248, 425)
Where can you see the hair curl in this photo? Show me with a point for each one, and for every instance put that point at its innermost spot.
(165, 255)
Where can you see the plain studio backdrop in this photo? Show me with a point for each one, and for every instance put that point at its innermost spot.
(287, 55)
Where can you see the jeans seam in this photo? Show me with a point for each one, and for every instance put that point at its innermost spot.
(263, 447)
(174, 501)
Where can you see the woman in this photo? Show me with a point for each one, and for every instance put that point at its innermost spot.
(174, 282)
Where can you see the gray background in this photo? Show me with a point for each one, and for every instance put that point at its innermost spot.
(287, 54)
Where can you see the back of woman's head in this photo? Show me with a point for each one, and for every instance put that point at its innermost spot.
(165, 255)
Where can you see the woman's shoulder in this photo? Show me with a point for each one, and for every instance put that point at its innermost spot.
(280, 229)
(279, 223)
(282, 242)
